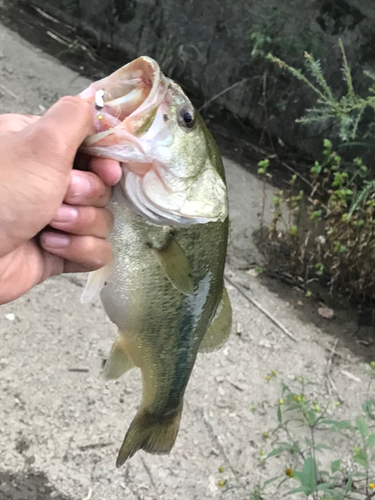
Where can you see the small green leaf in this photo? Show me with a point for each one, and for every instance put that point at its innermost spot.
(371, 440)
(335, 466)
(316, 214)
(276, 451)
(339, 426)
(359, 474)
(362, 427)
(264, 164)
(345, 217)
(327, 145)
(308, 293)
(311, 418)
(308, 474)
(298, 490)
(269, 481)
(324, 486)
(279, 415)
(360, 457)
(367, 407)
(284, 388)
(349, 484)
(322, 446)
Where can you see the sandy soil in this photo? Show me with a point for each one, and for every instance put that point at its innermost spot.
(61, 425)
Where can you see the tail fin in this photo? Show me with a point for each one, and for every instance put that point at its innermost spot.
(150, 433)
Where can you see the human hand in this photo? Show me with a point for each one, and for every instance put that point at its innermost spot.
(38, 188)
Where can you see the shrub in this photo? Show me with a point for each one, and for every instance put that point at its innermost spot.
(338, 243)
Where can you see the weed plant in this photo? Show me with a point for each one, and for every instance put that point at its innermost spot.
(339, 243)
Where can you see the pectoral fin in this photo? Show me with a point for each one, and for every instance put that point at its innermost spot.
(220, 327)
(176, 266)
(118, 362)
(95, 282)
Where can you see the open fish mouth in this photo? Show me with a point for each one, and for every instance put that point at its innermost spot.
(124, 107)
(130, 110)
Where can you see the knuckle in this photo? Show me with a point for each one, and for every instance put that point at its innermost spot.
(90, 252)
(76, 103)
(97, 221)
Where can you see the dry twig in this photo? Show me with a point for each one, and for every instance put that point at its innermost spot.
(5, 89)
(261, 309)
(329, 367)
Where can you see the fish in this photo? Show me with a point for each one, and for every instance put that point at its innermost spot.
(164, 288)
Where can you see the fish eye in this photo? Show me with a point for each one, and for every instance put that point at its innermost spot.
(187, 118)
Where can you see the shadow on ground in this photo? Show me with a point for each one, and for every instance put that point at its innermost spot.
(27, 485)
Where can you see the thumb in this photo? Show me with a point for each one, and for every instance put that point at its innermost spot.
(60, 132)
(73, 117)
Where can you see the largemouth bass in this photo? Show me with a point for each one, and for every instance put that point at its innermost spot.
(164, 288)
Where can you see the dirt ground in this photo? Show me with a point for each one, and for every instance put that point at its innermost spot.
(61, 425)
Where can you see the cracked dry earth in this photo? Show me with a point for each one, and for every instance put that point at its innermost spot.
(61, 425)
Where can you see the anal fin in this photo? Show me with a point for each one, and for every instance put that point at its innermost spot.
(220, 327)
(119, 362)
(176, 266)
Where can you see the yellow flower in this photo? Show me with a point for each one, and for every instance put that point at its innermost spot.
(289, 472)
(371, 486)
(268, 378)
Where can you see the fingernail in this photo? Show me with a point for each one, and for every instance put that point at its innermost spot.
(79, 186)
(65, 213)
(55, 240)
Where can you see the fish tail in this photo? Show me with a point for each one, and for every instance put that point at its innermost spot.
(151, 433)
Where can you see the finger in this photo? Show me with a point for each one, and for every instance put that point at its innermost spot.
(73, 117)
(78, 220)
(54, 265)
(108, 170)
(87, 251)
(73, 267)
(86, 188)
(57, 135)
